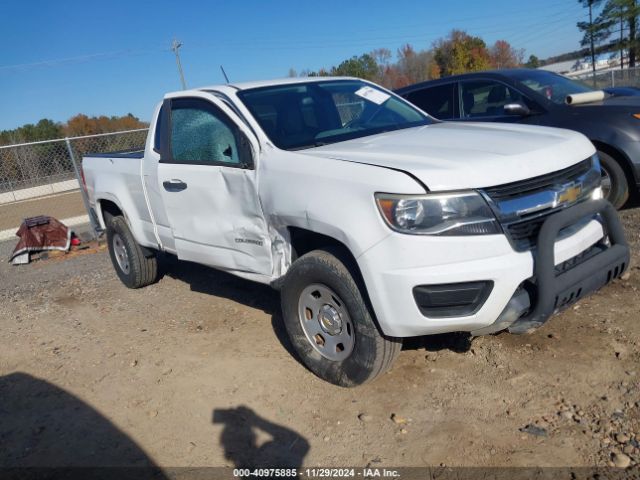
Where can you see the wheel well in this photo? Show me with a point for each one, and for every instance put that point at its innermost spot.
(304, 241)
(110, 208)
(622, 159)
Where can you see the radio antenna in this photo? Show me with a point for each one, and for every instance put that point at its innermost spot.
(224, 73)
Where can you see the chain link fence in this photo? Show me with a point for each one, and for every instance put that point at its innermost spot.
(43, 178)
(629, 77)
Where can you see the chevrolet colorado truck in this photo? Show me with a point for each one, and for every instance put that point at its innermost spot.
(374, 220)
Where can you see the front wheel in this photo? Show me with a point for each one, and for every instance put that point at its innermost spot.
(615, 187)
(330, 324)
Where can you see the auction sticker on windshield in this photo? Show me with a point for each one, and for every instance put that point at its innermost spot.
(373, 95)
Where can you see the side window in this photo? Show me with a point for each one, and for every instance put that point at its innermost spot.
(486, 98)
(437, 101)
(200, 133)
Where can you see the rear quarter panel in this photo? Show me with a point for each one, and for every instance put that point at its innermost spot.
(119, 180)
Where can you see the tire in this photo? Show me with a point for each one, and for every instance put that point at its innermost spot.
(135, 265)
(319, 282)
(614, 180)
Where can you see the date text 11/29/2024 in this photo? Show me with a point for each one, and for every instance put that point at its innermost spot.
(316, 473)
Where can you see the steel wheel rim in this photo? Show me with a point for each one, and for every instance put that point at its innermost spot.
(605, 182)
(326, 322)
(120, 252)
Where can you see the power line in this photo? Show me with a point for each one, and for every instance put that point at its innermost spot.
(76, 59)
(287, 42)
(273, 43)
(548, 27)
(318, 42)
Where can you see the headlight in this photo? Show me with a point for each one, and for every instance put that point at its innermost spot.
(458, 213)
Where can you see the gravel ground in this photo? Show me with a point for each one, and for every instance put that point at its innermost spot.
(196, 370)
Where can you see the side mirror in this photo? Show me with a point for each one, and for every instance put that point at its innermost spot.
(517, 108)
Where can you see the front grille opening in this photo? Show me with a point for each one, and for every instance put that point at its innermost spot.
(508, 191)
(583, 256)
(523, 231)
(524, 234)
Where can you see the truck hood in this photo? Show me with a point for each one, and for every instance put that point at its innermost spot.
(450, 156)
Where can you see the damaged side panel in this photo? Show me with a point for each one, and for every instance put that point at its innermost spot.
(217, 219)
(299, 190)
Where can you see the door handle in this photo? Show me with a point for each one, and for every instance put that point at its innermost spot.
(174, 185)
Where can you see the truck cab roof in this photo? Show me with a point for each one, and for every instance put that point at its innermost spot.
(239, 86)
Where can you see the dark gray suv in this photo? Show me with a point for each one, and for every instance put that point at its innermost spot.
(538, 97)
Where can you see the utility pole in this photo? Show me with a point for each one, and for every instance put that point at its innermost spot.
(621, 42)
(591, 41)
(175, 46)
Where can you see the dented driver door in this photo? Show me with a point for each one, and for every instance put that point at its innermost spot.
(207, 177)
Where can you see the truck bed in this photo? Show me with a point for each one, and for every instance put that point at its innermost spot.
(119, 154)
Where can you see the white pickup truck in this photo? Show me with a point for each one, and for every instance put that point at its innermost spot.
(374, 220)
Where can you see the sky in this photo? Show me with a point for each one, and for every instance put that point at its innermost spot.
(60, 58)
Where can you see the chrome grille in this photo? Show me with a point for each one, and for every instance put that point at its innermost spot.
(533, 185)
(523, 206)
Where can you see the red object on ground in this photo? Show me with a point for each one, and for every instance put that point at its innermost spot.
(40, 233)
(75, 241)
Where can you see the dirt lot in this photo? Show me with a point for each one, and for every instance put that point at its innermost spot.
(196, 370)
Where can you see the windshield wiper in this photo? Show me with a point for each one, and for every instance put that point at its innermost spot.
(309, 145)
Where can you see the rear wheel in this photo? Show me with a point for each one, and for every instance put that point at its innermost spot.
(135, 265)
(330, 324)
(615, 187)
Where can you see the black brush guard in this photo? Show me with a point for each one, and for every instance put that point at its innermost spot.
(556, 291)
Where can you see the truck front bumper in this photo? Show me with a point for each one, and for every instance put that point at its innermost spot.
(558, 273)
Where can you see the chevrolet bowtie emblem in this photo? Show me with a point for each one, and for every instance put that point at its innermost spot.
(569, 194)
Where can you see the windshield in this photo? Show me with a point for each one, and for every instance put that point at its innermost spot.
(304, 115)
(552, 86)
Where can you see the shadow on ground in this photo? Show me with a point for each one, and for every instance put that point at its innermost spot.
(221, 284)
(282, 447)
(457, 342)
(44, 426)
(214, 282)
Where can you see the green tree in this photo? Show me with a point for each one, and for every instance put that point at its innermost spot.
(382, 57)
(533, 62)
(503, 55)
(77, 125)
(363, 66)
(45, 129)
(415, 66)
(312, 73)
(618, 17)
(461, 53)
(595, 32)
